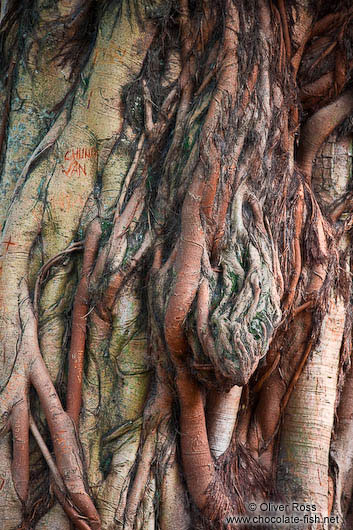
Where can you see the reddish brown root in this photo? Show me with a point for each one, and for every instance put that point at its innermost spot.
(324, 54)
(46, 267)
(324, 24)
(302, 307)
(188, 263)
(318, 128)
(142, 474)
(267, 374)
(20, 463)
(61, 428)
(80, 522)
(46, 454)
(345, 204)
(58, 484)
(196, 456)
(296, 376)
(199, 196)
(297, 265)
(282, 10)
(78, 334)
(315, 92)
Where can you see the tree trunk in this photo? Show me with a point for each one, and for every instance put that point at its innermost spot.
(175, 269)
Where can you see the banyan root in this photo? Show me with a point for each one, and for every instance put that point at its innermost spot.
(157, 446)
(197, 460)
(45, 269)
(58, 484)
(318, 128)
(30, 369)
(78, 334)
(222, 409)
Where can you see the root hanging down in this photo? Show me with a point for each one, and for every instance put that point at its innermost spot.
(68, 471)
(236, 324)
(221, 413)
(78, 333)
(193, 136)
(223, 306)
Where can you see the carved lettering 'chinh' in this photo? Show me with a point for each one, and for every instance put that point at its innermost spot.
(80, 153)
(73, 165)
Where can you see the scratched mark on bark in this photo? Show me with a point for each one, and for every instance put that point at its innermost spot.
(7, 244)
(109, 55)
(73, 157)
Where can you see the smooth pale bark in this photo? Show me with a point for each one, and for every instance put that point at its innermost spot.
(308, 419)
(342, 452)
(222, 409)
(68, 175)
(37, 87)
(174, 513)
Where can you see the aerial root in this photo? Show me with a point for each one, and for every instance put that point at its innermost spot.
(297, 256)
(61, 427)
(43, 271)
(19, 422)
(140, 481)
(79, 319)
(58, 485)
(296, 375)
(66, 452)
(154, 452)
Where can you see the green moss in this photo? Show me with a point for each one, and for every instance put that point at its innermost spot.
(106, 226)
(235, 281)
(255, 328)
(105, 463)
(186, 145)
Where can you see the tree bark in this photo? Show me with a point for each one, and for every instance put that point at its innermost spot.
(175, 270)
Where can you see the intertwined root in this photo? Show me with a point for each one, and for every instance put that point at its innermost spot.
(135, 483)
(31, 370)
(238, 308)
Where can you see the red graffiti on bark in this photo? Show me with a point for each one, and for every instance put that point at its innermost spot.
(8, 244)
(73, 165)
(80, 153)
(75, 168)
